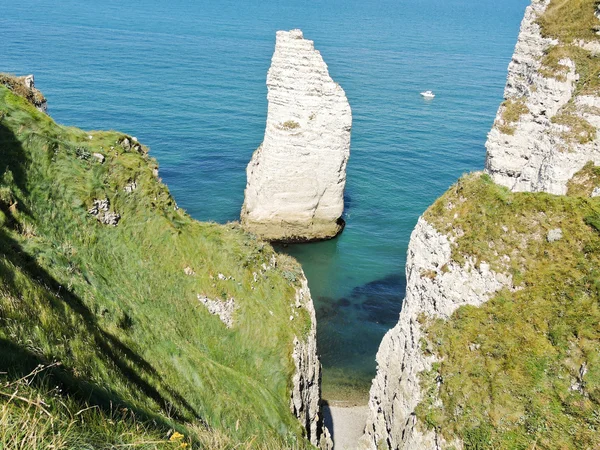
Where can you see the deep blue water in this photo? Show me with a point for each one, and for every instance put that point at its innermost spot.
(187, 78)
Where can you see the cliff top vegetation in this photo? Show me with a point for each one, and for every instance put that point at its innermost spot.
(111, 313)
(523, 370)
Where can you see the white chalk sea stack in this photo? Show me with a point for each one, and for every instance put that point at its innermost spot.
(296, 177)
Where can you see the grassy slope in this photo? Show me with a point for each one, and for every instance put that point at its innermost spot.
(114, 305)
(508, 367)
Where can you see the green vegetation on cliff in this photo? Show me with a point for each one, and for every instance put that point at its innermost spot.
(572, 23)
(523, 370)
(128, 352)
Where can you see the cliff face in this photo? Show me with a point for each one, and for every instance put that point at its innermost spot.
(546, 130)
(306, 384)
(296, 178)
(467, 250)
(25, 87)
(436, 287)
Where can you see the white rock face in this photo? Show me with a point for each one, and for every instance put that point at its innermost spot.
(306, 392)
(395, 392)
(537, 157)
(296, 178)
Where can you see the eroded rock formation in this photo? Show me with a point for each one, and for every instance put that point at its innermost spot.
(547, 128)
(395, 392)
(306, 390)
(545, 132)
(296, 178)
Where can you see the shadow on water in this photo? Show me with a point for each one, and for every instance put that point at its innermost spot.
(348, 200)
(378, 301)
(350, 330)
(18, 360)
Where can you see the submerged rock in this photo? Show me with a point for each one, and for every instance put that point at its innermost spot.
(296, 178)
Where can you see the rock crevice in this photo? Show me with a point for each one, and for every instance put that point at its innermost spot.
(306, 383)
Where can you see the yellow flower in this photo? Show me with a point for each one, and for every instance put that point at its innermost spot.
(176, 437)
(184, 445)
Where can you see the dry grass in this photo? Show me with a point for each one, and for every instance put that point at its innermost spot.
(583, 182)
(570, 21)
(523, 370)
(579, 129)
(511, 113)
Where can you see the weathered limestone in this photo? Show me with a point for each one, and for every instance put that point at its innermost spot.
(296, 178)
(538, 156)
(306, 391)
(38, 98)
(25, 86)
(223, 309)
(395, 392)
(101, 211)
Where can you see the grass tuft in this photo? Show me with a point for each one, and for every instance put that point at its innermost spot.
(583, 183)
(512, 112)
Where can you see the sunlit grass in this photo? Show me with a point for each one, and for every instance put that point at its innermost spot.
(114, 305)
(523, 370)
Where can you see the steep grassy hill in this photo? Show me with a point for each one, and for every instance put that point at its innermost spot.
(104, 339)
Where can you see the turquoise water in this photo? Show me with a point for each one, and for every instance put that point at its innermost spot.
(188, 79)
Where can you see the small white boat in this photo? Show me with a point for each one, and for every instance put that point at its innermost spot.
(428, 94)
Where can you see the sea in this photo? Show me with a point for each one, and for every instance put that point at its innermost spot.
(187, 78)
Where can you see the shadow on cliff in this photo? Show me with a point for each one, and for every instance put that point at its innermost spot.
(19, 358)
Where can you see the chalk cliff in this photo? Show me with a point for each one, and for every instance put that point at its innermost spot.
(436, 287)
(296, 178)
(306, 383)
(545, 132)
(547, 128)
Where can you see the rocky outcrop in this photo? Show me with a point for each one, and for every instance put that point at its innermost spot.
(296, 178)
(436, 287)
(223, 309)
(25, 87)
(306, 383)
(101, 211)
(546, 130)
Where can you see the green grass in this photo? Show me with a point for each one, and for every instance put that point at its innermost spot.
(570, 21)
(583, 182)
(113, 304)
(507, 368)
(512, 112)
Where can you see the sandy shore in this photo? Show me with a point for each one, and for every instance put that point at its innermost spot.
(346, 424)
